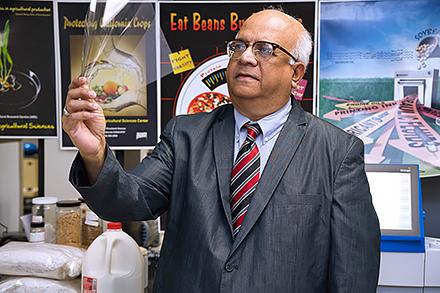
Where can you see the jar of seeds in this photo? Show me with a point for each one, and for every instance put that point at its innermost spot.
(91, 225)
(44, 209)
(69, 223)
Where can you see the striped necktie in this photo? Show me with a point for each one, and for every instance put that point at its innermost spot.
(245, 176)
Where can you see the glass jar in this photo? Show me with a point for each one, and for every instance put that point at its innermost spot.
(91, 228)
(45, 207)
(37, 233)
(84, 208)
(91, 224)
(69, 223)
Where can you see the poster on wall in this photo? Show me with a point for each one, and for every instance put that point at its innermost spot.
(27, 70)
(124, 73)
(379, 65)
(193, 73)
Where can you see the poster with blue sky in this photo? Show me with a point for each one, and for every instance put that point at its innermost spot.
(379, 65)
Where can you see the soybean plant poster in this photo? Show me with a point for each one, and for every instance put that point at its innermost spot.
(379, 67)
(194, 65)
(27, 70)
(121, 63)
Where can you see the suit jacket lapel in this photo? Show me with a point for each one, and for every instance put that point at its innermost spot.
(223, 133)
(282, 153)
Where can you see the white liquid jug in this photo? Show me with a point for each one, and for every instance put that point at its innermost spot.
(113, 264)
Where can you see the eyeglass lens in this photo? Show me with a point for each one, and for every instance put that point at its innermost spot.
(261, 50)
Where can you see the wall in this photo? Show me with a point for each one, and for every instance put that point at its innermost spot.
(56, 171)
(10, 184)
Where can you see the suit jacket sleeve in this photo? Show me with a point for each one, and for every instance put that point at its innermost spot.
(355, 232)
(141, 194)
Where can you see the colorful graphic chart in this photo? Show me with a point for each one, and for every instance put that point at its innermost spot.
(378, 78)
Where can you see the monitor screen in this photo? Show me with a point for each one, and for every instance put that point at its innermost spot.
(395, 192)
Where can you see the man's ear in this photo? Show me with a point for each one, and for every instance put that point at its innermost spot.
(298, 72)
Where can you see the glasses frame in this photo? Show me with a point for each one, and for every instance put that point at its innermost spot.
(274, 45)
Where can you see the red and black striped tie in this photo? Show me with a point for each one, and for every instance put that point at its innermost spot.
(245, 176)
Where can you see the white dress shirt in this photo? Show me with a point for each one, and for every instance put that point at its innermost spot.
(270, 125)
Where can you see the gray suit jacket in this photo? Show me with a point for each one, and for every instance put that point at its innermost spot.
(310, 227)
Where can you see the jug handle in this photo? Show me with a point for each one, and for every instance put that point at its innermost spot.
(108, 252)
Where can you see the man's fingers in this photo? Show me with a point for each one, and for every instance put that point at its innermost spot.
(78, 82)
(82, 116)
(82, 105)
(80, 93)
(79, 99)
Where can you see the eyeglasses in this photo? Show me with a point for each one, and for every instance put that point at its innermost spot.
(262, 50)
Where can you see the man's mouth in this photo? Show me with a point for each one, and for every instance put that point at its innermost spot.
(244, 75)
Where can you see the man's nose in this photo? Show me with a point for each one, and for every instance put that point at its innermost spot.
(248, 56)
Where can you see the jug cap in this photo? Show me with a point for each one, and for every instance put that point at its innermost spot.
(114, 225)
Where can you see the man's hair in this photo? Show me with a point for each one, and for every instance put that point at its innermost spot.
(303, 47)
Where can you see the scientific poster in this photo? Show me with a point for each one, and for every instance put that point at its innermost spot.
(124, 75)
(196, 32)
(27, 70)
(379, 64)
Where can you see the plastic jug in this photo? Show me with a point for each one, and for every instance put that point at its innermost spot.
(113, 264)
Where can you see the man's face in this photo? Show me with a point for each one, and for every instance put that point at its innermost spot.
(271, 79)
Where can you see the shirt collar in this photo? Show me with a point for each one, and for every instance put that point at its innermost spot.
(270, 125)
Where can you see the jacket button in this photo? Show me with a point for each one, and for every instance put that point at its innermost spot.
(229, 267)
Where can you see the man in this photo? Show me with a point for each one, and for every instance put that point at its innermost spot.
(261, 196)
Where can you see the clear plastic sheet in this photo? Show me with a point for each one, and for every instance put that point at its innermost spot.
(38, 285)
(115, 50)
(41, 260)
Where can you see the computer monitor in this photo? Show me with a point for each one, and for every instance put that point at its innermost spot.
(395, 190)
